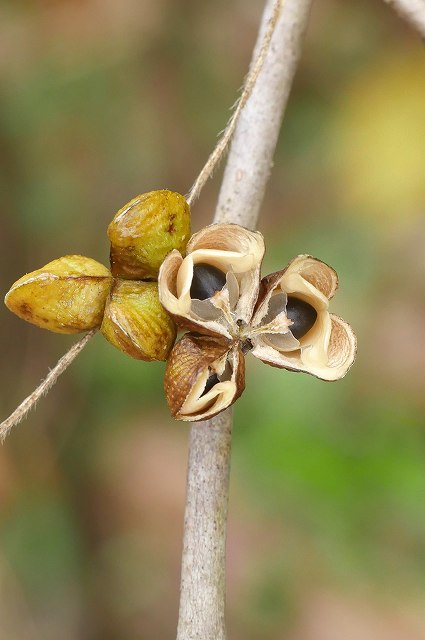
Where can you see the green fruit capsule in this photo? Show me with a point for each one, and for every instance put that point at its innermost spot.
(145, 230)
(68, 295)
(136, 323)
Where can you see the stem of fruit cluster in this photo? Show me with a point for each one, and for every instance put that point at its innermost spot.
(413, 11)
(30, 401)
(202, 598)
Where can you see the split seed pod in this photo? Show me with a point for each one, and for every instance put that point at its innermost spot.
(203, 376)
(234, 251)
(68, 295)
(328, 348)
(283, 320)
(136, 323)
(145, 230)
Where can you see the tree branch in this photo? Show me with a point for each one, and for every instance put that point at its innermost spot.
(413, 11)
(202, 600)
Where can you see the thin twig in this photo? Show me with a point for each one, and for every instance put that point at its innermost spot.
(29, 402)
(249, 84)
(413, 11)
(202, 598)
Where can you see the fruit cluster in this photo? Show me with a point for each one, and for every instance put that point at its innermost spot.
(75, 293)
(210, 284)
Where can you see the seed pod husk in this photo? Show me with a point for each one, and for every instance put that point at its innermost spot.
(193, 362)
(233, 250)
(68, 295)
(327, 350)
(145, 230)
(136, 323)
(331, 361)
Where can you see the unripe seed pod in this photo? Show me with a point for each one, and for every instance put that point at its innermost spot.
(302, 314)
(145, 230)
(68, 295)
(206, 281)
(136, 323)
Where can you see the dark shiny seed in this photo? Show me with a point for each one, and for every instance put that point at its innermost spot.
(246, 346)
(302, 314)
(206, 281)
(212, 380)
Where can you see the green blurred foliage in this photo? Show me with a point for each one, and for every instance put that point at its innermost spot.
(101, 101)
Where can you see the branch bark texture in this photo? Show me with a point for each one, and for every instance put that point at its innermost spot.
(413, 11)
(251, 154)
(202, 599)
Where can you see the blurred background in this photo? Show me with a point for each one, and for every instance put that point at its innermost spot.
(101, 100)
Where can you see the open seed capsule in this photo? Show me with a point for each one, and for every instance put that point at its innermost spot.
(203, 376)
(214, 288)
(317, 342)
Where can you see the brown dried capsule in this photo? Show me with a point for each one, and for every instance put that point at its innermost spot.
(203, 376)
(214, 288)
(145, 230)
(322, 343)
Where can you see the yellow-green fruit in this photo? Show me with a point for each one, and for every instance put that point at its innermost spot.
(145, 230)
(68, 295)
(136, 323)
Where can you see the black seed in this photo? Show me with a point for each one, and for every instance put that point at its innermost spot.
(302, 314)
(212, 380)
(246, 346)
(206, 281)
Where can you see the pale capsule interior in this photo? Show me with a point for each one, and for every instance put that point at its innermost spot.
(235, 251)
(274, 328)
(328, 349)
(222, 306)
(219, 396)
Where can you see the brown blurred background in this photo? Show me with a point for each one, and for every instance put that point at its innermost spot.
(101, 100)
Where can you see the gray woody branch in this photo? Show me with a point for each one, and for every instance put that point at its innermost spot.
(413, 11)
(202, 599)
